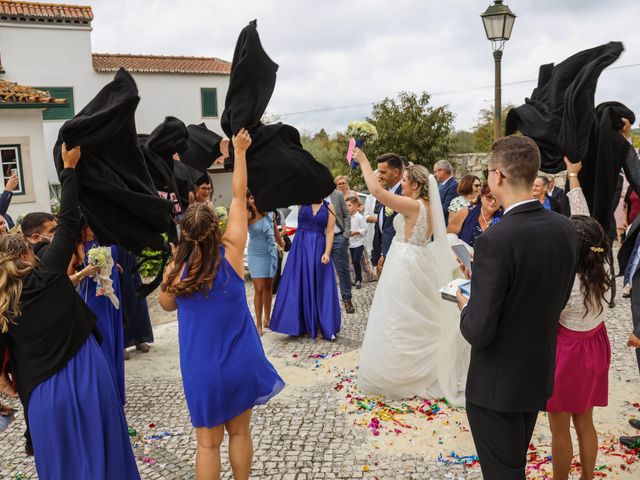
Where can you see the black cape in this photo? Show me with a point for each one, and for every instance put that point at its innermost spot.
(204, 147)
(559, 115)
(117, 196)
(280, 171)
(608, 153)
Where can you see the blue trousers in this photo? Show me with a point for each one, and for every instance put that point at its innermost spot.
(340, 256)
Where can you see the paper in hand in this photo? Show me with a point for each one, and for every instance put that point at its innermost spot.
(351, 150)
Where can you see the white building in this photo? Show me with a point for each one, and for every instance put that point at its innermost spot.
(49, 47)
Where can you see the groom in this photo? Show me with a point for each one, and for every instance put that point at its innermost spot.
(512, 317)
(390, 173)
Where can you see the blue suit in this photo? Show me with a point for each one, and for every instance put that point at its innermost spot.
(448, 192)
(382, 239)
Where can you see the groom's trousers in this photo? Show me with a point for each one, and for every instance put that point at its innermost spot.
(502, 441)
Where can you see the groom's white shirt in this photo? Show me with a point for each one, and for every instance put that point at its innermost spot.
(381, 213)
(517, 204)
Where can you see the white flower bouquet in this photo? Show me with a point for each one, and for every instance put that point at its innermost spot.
(359, 133)
(222, 214)
(101, 257)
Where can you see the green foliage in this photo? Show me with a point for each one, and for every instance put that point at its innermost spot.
(463, 142)
(408, 125)
(483, 130)
(151, 267)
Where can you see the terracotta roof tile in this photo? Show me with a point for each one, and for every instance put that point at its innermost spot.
(13, 93)
(51, 12)
(107, 62)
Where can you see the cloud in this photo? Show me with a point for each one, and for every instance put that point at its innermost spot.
(339, 53)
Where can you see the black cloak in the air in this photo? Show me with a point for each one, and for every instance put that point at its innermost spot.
(117, 196)
(280, 171)
(204, 147)
(559, 114)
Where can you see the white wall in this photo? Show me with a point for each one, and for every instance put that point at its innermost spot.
(60, 56)
(24, 126)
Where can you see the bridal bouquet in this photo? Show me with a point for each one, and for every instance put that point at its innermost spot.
(359, 133)
(101, 257)
(223, 216)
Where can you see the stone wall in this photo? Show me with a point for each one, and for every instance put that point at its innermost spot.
(476, 164)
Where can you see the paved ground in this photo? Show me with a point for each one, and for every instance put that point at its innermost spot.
(315, 429)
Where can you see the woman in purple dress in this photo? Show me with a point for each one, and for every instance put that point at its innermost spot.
(307, 300)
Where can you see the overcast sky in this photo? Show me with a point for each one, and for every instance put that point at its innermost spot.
(334, 54)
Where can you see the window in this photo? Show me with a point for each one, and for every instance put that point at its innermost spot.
(12, 163)
(209, 100)
(59, 113)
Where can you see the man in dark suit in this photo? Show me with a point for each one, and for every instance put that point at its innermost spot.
(447, 185)
(390, 174)
(559, 196)
(511, 320)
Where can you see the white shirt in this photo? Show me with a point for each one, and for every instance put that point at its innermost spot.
(445, 181)
(381, 212)
(517, 204)
(359, 226)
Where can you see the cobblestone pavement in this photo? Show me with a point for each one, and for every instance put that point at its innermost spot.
(302, 433)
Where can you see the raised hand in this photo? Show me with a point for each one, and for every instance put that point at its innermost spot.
(241, 141)
(12, 183)
(70, 158)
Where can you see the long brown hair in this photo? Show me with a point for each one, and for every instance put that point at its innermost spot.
(199, 247)
(12, 270)
(594, 252)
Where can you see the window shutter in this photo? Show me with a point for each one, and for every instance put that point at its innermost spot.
(59, 113)
(209, 99)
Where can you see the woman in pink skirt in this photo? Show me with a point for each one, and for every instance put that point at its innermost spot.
(583, 353)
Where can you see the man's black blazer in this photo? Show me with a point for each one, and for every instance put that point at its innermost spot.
(523, 272)
(624, 254)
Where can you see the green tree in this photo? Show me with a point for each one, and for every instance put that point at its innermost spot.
(408, 125)
(483, 130)
(463, 142)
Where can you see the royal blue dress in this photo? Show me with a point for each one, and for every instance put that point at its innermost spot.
(224, 368)
(262, 253)
(109, 319)
(308, 296)
(135, 310)
(77, 422)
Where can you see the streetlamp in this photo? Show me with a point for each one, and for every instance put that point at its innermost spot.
(498, 22)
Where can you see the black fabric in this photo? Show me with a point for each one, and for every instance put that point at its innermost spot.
(55, 321)
(281, 172)
(511, 331)
(117, 196)
(559, 114)
(608, 150)
(501, 440)
(559, 196)
(185, 178)
(204, 147)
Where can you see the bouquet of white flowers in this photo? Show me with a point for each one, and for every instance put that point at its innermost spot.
(359, 133)
(223, 216)
(101, 257)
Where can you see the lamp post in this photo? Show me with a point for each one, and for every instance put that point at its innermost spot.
(498, 22)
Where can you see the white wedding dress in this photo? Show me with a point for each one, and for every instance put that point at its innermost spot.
(412, 344)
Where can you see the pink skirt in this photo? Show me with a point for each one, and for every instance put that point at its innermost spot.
(582, 370)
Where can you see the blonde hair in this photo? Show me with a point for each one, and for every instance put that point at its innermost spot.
(420, 175)
(13, 268)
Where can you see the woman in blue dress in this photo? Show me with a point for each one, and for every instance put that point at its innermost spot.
(225, 372)
(470, 222)
(262, 257)
(76, 418)
(109, 316)
(307, 300)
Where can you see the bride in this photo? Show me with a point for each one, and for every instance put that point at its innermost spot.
(412, 344)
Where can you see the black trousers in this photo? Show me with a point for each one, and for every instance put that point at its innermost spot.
(635, 306)
(502, 441)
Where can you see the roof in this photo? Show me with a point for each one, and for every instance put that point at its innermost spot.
(45, 12)
(108, 62)
(23, 96)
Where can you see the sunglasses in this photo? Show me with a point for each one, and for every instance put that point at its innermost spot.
(490, 197)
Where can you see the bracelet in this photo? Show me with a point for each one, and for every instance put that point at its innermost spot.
(573, 174)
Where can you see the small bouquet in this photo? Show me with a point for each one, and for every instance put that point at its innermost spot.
(359, 133)
(222, 215)
(101, 257)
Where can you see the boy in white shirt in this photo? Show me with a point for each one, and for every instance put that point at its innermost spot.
(358, 233)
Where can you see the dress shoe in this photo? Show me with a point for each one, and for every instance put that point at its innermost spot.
(635, 423)
(631, 442)
(348, 307)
